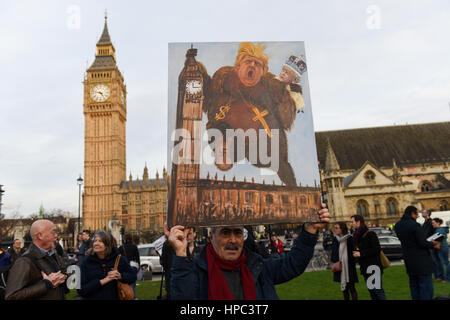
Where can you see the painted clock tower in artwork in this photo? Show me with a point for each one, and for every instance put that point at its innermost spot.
(186, 172)
(105, 116)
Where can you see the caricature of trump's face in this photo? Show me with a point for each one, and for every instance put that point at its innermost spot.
(250, 71)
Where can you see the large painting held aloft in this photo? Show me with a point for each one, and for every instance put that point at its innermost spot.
(241, 142)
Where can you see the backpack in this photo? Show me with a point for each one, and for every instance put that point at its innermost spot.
(4, 275)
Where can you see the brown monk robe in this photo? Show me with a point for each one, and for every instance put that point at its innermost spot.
(243, 98)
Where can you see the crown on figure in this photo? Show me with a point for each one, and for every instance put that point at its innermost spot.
(296, 64)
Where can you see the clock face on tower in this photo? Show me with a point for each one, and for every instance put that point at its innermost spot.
(193, 87)
(100, 93)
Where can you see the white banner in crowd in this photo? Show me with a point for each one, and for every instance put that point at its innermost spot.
(158, 243)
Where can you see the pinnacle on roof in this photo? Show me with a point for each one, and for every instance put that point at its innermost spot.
(331, 163)
(105, 38)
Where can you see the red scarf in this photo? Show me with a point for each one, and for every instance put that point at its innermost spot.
(217, 285)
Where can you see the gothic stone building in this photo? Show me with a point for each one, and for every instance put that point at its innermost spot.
(138, 204)
(378, 172)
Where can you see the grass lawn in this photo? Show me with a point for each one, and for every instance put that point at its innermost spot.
(319, 285)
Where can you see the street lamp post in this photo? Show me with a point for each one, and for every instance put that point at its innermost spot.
(1, 196)
(79, 182)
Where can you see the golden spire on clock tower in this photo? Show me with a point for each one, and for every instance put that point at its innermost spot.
(105, 125)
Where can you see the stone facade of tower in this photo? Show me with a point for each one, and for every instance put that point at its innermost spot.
(138, 204)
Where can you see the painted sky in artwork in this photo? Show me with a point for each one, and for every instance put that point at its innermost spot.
(301, 143)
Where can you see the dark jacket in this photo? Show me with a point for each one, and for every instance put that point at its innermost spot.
(130, 251)
(5, 259)
(369, 249)
(416, 253)
(428, 228)
(94, 269)
(335, 253)
(15, 255)
(166, 262)
(195, 252)
(328, 240)
(262, 250)
(25, 281)
(84, 247)
(190, 277)
(250, 243)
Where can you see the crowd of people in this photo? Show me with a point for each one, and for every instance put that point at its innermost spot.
(39, 272)
(229, 263)
(422, 256)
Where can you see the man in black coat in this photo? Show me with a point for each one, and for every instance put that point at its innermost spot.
(85, 246)
(328, 239)
(131, 252)
(16, 251)
(166, 262)
(427, 226)
(416, 253)
(368, 251)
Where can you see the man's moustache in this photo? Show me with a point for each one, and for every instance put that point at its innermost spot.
(231, 246)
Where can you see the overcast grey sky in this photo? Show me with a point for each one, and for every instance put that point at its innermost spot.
(370, 63)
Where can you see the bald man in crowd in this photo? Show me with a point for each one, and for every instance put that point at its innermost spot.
(39, 273)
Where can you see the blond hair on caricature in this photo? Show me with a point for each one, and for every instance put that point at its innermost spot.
(249, 49)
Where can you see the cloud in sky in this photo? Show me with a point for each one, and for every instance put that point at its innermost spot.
(358, 77)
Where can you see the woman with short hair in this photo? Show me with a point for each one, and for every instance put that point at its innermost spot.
(98, 279)
(342, 250)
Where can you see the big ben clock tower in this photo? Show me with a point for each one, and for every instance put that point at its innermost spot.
(105, 117)
(183, 197)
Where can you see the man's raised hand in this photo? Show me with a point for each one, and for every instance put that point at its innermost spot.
(178, 239)
(324, 217)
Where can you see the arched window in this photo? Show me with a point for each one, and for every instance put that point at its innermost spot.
(443, 206)
(303, 200)
(362, 208)
(370, 177)
(426, 186)
(285, 199)
(392, 207)
(316, 198)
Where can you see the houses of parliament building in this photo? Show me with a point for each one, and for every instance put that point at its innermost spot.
(108, 194)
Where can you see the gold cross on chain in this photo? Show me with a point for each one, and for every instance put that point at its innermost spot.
(260, 117)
